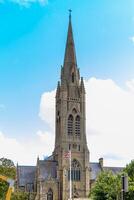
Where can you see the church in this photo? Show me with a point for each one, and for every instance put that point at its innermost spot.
(50, 178)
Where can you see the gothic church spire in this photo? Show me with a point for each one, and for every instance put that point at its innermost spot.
(70, 55)
(70, 72)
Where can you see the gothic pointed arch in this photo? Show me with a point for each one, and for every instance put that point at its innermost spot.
(77, 125)
(74, 111)
(74, 108)
(72, 77)
(70, 124)
(75, 171)
(50, 194)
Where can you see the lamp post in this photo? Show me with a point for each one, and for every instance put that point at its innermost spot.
(124, 186)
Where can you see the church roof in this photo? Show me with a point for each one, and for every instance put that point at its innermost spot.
(95, 169)
(115, 170)
(47, 169)
(26, 174)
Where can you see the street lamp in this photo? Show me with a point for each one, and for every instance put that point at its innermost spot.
(124, 186)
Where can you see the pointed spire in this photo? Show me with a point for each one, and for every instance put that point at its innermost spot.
(38, 158)
(58, 89)
(70, 11)
(82, 86)
(70, 55)
(69, 71)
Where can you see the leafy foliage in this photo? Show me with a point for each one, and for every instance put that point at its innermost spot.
(107, 186)
(20, 196)
(6, 162)
(130, 171)
(7, 169)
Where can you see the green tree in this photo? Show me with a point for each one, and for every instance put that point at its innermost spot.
(130, 171)
(20, 196)
(7, 168)
(106, 187)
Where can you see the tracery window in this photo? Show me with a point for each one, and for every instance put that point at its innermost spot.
(75, 171)
(70, 125)
(50, 194)
(77, 125)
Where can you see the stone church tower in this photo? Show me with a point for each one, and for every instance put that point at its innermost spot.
(70, 120)
(49, 179)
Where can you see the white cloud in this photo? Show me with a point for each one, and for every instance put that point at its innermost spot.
(132, 39)
(110, 111)
(110, 126)
(47, 109)
(110, 114)
(26, 3)
(130, 85)
(26, 152)
(47, 139)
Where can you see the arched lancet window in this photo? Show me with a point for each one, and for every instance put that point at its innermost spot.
(50, 194)
(73, 77)
(75, 171)
(77, 125)
(70, 125)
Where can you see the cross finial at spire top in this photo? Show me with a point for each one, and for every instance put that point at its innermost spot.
(70, 11)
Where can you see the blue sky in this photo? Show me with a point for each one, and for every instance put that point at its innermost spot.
(32, 43)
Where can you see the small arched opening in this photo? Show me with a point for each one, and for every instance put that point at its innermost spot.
(50, 194)
(72, 77)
